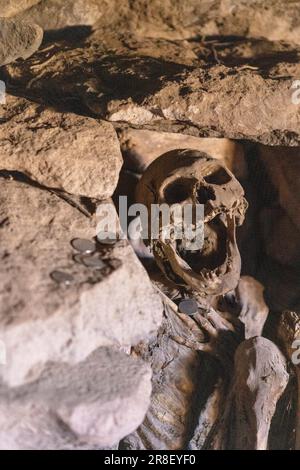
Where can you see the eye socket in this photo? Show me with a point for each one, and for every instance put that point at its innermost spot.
(219, 176)
(178, 191)
(205, 194)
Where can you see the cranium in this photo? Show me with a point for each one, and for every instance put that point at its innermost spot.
(192, 177)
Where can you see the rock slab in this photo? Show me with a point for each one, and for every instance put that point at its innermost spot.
(42, 320)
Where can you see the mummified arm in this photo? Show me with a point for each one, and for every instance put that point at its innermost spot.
(248, 304)
(260, 378)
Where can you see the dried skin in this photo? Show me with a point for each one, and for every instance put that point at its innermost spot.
(260, 378)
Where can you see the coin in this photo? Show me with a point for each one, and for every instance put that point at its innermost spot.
(83, 245)
(62, 277)
(93, 262)
(188, 306)
(107, 238)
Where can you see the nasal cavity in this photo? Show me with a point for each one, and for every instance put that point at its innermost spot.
(205, 194)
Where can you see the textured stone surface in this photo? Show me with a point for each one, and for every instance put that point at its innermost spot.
(60, 150)
(235, 88)
(94, 403)
(18, 39)
(55, 14)
(13, 7)
(141, 147)
(41, 320)
(272, 19)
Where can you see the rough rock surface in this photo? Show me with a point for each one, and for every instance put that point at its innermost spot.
(55, 14)
(141, 147)
(10, 8)
(94, 403)
(225, 87)
(60, 150)
(42, 320)
(18, 39)
(272, 19)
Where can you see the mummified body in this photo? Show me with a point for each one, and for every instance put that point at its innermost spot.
(188, 407)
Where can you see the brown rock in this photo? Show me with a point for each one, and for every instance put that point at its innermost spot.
(10, 8)
(59, 150)
(271, 19)
(173, 86)
(141, 147)
(18, 39)
(42, 320)
(55, 14)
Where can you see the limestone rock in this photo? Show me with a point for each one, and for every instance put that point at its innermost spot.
(59, 150)
(243, 92)
(94, 403)
(56, 14)
(42, 320)
(174, 19)
(18, 39)
(141, 147)
(10, 8)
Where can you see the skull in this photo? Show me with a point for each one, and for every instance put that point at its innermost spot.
(192, 177)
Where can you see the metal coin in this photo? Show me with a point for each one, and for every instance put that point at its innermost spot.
(93, 262)
(61, 277)
(78, 258)
(107, 238)
(188, 306)
(83, 245)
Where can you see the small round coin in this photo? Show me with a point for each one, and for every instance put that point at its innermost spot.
(62, 277)
(107, 238)
(93, 262)
(188, 306)
(83, 245)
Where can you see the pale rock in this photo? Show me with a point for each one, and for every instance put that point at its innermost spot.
(77, 154)
(89, 405)
(42, 320)
(56, 14)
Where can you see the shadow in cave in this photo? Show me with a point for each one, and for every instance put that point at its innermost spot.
(239, 51)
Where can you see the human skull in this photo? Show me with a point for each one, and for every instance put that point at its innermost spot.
(192, 177)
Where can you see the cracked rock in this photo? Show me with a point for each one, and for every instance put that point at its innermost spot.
(55, 14)
(243, 92)
(59, 150)
(92, 404)
(18, 39)
(10, 8)
(42, 320)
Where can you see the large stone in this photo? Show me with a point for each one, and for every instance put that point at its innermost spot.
(141, 147)
(18, 39)
(94, 403)
(59, 150)
(238, 90)
(56, 14)
(174, 19)
(42, 320)
(10, 8)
